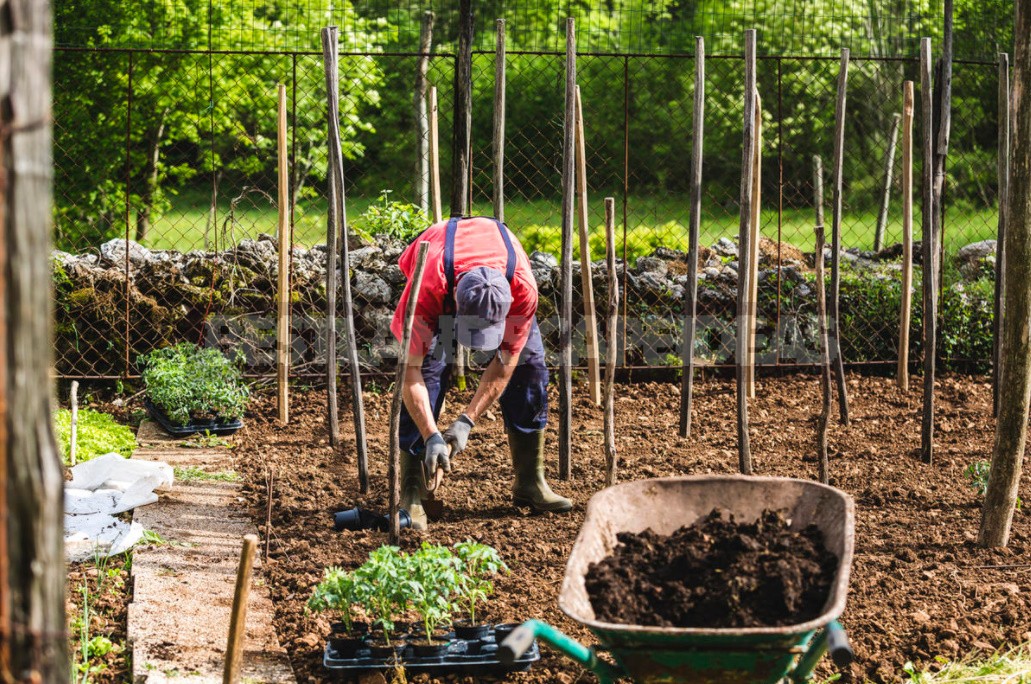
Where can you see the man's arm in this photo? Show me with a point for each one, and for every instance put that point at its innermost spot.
(493, 382)
(417, 398)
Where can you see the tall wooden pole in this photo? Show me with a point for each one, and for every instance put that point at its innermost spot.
(1000, 243)
(825, 366)
(691, 308)
(73, 428)
(434, 157)
(394, 464)
(332, 409)
(889, 172)
(930, 253)
(422, 142)
(283, 327)
(238, 615)
(744, 287)
(336, 167)
(33, 643)
(1015, 384)
(833, 310)
(907, 235)
(463, 111)
(586, 283)
(565, 323)
(499, 121)
(752, 262)
(611, 457)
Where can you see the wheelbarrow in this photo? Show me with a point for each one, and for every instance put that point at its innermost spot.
(756, 655)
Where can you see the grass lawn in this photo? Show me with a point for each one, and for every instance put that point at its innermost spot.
(651, 222)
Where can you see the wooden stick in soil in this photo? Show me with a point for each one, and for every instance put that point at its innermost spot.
(752, 262)
(825, 366)
(499, 122)
(691, 310)
(283, 327)
(930, 289)
(565, 387)
(833, 311)
(1014, 391)
(463, 111)
(1000, 243)
(332, 408)
(907, 235)
(394, 468)
(422, 175)
(238, 618)
(270, 477)
(336, 167)
(586, 283)
(889, 173)
(73, 428)
(434, 157)
(744, 248)
(611, 457)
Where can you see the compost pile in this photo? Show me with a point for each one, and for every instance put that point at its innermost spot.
(715, 573)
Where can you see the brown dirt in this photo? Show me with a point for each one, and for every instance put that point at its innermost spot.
(715, 573)
(920, 587)
(108, 589)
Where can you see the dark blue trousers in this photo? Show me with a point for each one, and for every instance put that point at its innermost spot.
(524, 403)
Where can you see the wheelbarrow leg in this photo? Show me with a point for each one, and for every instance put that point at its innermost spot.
(521, 638)
(831, 638)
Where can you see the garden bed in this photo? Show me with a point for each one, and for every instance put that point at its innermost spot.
(920, 587)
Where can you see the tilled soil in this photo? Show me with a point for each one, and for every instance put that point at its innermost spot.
(105, 589)
(920, 586)
(716, 572)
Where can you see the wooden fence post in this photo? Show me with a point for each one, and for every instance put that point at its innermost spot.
(611, 457)
(73, 428)
(907, 235)
(586, 283)
(752, 261)
(463, 111)
(422, 175)
(1000, 243)
(434, 157)
(825, 366)
(499, 122)
(744, 287)
(834, 333)
(691, 308)
(283, 327)
(889, 171)
(238, 616)
(930, 253)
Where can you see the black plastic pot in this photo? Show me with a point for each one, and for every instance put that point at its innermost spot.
(470, 632)
(437, 649)
(214, 427)
(355, 519)
(503, 630)
(378, 649)
(358, 627)
(346, 646)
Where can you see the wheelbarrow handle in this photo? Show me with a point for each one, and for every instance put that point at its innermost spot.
(521, 639)
(831, 638)
(837, 643)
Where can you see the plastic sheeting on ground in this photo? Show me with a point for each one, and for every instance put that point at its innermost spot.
(98, 490)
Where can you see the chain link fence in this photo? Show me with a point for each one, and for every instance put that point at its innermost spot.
(174, 150)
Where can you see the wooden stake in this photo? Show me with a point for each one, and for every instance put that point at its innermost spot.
(586, 283)
(752, 262)
(611, 457)
(394, 468)
(889, 171)
(818, 192)
(283, 328)
(825, 366)
(744, 287)
(238, 619)
(463, 111)
(499, 122)
(565, 323)
(1000, 243)
(1014, 390)
(422, 174)
(691, 310)
(833, 311)
(336, 167)
(434, 157)
(332, 408)
(907, 234)
(73, 429)
(930, 289)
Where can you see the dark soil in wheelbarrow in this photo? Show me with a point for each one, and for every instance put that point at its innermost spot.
(716, 573)
(920, 586)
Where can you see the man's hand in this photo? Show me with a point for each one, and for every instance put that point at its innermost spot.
(437, 456)
(458, 434)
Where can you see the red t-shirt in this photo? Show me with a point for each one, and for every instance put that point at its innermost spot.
(478, 242)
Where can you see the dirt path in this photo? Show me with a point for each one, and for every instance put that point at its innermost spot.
(920, 587)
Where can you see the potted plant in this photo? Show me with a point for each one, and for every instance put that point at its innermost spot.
(192, 389)
(340, 592)
(386, 593)
(435, 573)
(479, 563)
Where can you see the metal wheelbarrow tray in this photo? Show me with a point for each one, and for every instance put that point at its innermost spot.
(704, 655)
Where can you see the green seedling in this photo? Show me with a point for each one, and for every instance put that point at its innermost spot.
(978, 474)
(387, 587)
(189, 382)
(189, 474)
(338, 591)
(206, 440)
(480, 563)
(436, 576)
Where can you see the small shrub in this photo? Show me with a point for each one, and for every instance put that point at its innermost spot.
(978, 474)
(98, 434)
(189, 382)
(396, 219)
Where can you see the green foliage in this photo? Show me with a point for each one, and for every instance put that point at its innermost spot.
(978, 474)
(188, 382)
(387, 587)
(189, 474)
(436, 575)
(98, 434)
(481, 562)
(1012, 666)
(338, 591)
(396, 219)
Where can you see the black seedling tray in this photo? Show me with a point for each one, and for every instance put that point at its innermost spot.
(456, 660)
(213, 427)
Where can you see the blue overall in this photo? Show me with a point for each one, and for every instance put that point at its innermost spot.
(524, 403)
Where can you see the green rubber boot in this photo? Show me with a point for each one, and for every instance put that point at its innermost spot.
(530, 488)
(412, 490)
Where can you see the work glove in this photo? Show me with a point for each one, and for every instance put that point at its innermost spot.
(458, 434)
(437, 456)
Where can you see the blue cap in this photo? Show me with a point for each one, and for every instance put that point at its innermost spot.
(482, 301)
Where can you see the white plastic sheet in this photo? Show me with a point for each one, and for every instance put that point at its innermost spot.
(98, 490)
